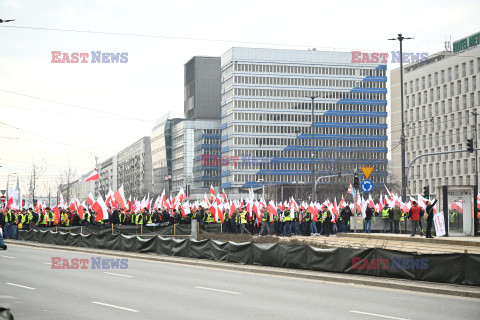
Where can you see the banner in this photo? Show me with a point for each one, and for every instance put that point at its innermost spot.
(439, 224)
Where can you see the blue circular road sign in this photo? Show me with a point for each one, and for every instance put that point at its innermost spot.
(366, 186)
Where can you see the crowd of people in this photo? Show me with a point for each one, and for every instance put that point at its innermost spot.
(284, 223)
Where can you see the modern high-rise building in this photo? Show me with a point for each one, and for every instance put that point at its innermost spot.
(440, 96)
(267, 117)
(202, 88)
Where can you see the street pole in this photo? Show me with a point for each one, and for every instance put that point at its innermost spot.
(400, 38)
(475, 189)
(296, 165)
(314, 192)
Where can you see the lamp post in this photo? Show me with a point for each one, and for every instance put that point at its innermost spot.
(400, 38)
(297, 132)
(314, 192)
(475, 189)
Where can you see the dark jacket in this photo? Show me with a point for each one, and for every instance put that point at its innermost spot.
(346, 213)
(369, 212)
(429, 210)
(76, 220)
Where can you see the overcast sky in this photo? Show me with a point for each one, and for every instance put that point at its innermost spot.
(105, 107)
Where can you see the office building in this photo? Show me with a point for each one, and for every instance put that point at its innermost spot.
(439, 98)
(266, 116)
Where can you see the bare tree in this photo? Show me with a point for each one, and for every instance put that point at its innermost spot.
(37, 171)
(67, 177)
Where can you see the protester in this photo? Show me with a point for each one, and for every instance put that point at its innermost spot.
(415, 213)
(369, 213)
(429, 210)
(396, 215)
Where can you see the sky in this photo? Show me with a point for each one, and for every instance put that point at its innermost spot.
(59, 115)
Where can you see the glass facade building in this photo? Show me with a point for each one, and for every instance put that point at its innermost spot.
(267, 118)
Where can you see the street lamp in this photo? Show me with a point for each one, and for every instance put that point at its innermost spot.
(400, 38)
(475, 189)
(314, 192)
(297, 132)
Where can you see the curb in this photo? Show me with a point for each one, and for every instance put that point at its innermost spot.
(446, 241)
(389, 283)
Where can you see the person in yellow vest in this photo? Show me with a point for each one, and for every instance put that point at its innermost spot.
(327, 219)
(65, 218)
(122, 217)
(243, 222)
(265, 226)
(42, 219)
(386, 214)
(138, 218)
(86, 217)
(287, 228)
(50, 217)
(209, 217)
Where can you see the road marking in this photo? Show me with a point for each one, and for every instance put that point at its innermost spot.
(7, 256)
(20, 286)
(211, 289)
(46, 263)
(112, 306)
(377, 315)
(8, 297)
(120, 275)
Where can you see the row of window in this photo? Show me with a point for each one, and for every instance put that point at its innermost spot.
(307, 142)
(307, 130)
(252, 92)
(424, 81)
(280, 105)
(327, 165)
(267, 179)
(358, 155)
(306, 82)
(292, 69)
(447, 106)
(422, 97)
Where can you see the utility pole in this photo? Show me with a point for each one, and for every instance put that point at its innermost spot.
(297, 131)
(314, 192)
(400, 38)
(475, 189)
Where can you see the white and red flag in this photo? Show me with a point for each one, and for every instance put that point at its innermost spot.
(119, 197)
(90, 199)
(101, 209)
(93, 176)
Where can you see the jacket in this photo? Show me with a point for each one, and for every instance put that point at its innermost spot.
(415, 213)
(369, 213)
(429, 210)
(396, 213)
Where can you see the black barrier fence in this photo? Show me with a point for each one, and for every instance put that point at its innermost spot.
(170, 230)
(458, 268)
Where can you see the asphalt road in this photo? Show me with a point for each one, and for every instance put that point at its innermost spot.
(157, 290)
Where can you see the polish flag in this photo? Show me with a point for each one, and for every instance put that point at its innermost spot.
(101, 209)
(61, 203)
(271, 209)
(56, 214)
(388, 191)
(93, 176)
(80, 210)
(224, 195)
(90, 199)
(181, 195)
(10, 202)
(350, 189)
(185, 209)
(119, 197)
(213, 194)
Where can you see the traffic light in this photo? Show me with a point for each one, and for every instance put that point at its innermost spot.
(426, 192)
(356, 183)
(339, 173)
(470, 145)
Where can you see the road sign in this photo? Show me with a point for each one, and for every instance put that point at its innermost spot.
(367, 171)
(366, 186)
(3, 199)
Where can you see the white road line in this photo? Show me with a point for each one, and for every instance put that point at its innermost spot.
(377, 315)
(117, 274)
(49, 263)
(112, 306)
(218, 290)
(1, 255)
(20, 286)
(8, 297)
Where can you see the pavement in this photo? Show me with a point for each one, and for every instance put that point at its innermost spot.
(155, 286)
(400, 242)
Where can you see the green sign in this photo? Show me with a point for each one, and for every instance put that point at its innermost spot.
(467, 42)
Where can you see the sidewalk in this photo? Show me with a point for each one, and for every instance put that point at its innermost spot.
(347, 279)
(400, 242)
